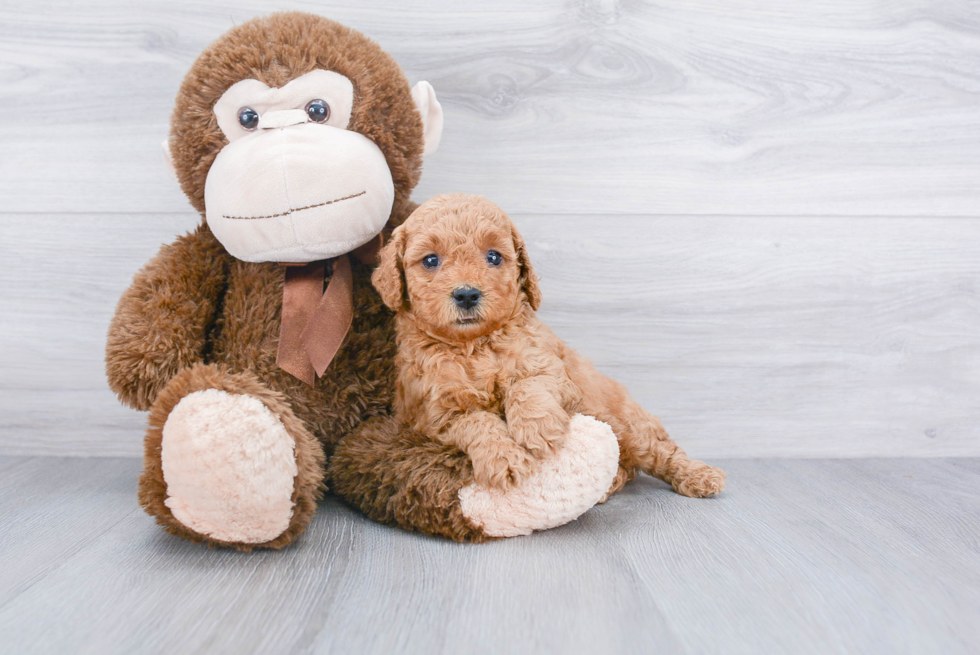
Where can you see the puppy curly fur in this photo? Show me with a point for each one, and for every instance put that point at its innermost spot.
(492, 379)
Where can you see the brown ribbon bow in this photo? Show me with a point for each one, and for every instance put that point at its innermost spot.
(314, 321)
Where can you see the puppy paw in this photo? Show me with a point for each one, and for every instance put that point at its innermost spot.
(542, 437)
(501, 464)
(699, 481)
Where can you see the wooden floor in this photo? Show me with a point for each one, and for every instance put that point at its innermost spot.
(863, 556)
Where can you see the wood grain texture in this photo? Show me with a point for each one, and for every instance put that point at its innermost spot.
(582, 106)
(61, 280)
(744, 212)
(869, 556)
(52, 508)
(749, 336)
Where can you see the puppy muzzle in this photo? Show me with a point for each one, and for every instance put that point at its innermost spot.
(466, 298)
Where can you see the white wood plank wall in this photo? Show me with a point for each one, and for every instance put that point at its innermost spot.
(763, 217)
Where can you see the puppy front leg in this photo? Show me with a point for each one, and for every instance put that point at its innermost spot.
(497, 460)
(535, 416)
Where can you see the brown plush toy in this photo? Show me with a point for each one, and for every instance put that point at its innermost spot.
(257, 342)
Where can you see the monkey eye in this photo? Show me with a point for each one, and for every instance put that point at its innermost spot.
(248, 118)
(494, 258)
(430, 261)
(318, 111)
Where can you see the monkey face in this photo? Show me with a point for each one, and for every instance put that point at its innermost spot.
(294, 184)
(298, 138)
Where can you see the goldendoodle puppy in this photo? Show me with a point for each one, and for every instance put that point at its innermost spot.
(478, 370)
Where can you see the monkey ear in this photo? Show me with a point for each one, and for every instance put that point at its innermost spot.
(387, 277)
(528, 280)
(168, 159)
(425, 100)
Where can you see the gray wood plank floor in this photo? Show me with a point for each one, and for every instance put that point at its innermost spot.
(798, 556)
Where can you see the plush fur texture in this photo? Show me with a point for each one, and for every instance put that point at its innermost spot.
(164, 320)
(492, 379)
(307, 484)
(195, 318)
(229, 465)
(559, 491)
(399, 476)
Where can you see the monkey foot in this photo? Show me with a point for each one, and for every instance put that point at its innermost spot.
(229, 465)
(563, 488)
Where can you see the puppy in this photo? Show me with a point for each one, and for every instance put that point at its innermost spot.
(478, 370)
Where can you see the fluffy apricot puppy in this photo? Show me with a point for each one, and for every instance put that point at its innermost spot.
(478, 370)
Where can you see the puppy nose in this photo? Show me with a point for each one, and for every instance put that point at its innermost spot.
(467, 297)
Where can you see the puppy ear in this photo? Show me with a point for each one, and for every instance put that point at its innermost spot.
(528, 280)
(387, 277)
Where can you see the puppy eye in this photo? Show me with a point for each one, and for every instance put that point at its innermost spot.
(248, 118)
(318, 111)
(430, 261)
(494, 258)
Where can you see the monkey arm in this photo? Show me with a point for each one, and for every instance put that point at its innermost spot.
(163, 319)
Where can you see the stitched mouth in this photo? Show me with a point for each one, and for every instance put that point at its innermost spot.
(469, 320)
(298, 209)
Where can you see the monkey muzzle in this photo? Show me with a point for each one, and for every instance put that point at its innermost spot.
(295, 191)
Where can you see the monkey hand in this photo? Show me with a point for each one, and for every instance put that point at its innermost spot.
(162, 320)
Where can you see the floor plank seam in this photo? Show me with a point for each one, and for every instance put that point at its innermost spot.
(82, 548)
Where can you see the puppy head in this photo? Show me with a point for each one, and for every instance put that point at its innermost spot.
(459, 266)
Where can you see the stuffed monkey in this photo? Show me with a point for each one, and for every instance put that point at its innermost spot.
(256, 342)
